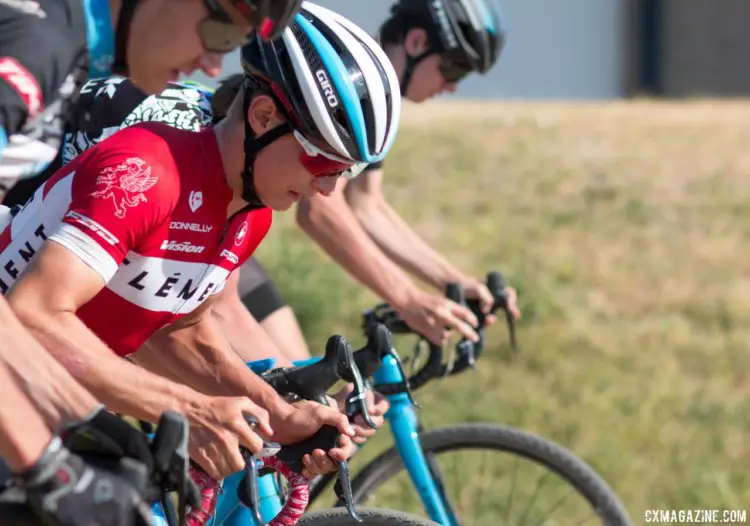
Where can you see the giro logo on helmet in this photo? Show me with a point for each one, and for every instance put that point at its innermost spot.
(442, 18)
(325, 85)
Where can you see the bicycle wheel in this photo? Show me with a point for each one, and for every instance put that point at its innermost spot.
(370, 517)
(566, 471)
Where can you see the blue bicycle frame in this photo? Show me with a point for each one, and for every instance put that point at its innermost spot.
(404, 425)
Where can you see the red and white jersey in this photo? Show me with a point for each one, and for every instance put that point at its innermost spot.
(147, 210)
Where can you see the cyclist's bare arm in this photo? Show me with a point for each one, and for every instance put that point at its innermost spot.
(196, 352)
(331, 223)
(23, 433)
(246, 336)
(46, 299)
(393, 235)
(55, 394)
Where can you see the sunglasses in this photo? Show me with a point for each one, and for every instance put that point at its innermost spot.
(218, 36)
(454, 67)
(229, 23)
(321, 163)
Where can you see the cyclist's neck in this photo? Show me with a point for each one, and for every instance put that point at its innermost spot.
(230, 137)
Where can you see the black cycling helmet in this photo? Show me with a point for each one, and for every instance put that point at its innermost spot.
(269, 17)
(470, 34)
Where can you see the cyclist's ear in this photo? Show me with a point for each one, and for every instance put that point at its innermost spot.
(263, 115)
(416, 42)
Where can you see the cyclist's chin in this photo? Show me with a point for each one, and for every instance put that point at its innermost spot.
(281, 202)
(155, 82)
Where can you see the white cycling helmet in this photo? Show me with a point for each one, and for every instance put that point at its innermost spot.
(333, 80)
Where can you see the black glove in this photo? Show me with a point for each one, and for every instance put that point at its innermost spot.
(63, 490)
(107, 435)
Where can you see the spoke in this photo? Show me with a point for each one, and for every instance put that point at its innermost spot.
(509, 502)
(553, 508)
(533, 497)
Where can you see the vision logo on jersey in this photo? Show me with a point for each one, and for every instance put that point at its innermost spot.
(184, 246)
(126, 184)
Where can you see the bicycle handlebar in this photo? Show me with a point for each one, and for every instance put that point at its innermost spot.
(466, 351)
(311, 382)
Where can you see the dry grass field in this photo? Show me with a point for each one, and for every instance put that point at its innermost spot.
(626, 228)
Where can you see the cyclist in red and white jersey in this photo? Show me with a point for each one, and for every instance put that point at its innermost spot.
(47, 49)
(133, 241)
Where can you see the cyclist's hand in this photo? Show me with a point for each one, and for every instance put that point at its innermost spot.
(294, 423)
(218, 427)
(377, 407)
(430, 314)
(476, 289)
(320, 462)
(63, 490)
(513, 302)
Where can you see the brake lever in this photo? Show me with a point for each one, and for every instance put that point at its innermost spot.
(396, 357)
(464, 347)
(356, 402)
(171, 460)
(247, 490)
(496, 285)
(343, 490)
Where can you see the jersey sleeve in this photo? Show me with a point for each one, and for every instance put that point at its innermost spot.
(118, 197)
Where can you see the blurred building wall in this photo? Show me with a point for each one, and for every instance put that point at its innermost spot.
(705, 47)
(598, 49)
(568, 49)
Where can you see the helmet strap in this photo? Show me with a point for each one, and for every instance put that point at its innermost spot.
(253, 145)
(411, 63)
(127, 10)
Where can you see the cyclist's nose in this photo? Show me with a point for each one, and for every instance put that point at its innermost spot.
(450, 87)
(211, 63)
(325, 185)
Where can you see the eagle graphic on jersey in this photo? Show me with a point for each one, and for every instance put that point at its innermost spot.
(125, 184)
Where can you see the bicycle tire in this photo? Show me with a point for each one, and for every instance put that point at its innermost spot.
(498, 437)
(370, 517)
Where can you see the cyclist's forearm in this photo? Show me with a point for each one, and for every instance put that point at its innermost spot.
(23, 432)
(331, 223)
(201, 357)
(54, 393)
(120, 385)
(243, 332)
(402, 244)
